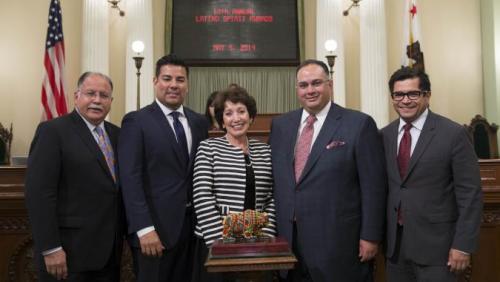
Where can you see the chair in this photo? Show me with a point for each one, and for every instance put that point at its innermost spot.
(484, 137)
(5, 143)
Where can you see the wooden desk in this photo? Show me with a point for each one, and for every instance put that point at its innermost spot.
(16, 255)
(486, 262)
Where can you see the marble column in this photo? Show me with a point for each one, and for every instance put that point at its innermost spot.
(329, 26)
(373, 60)
(95, 36)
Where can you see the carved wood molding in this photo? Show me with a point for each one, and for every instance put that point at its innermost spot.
(126, 267)
(467, 274)
(14, 224)
(21, 262)
(491, 217)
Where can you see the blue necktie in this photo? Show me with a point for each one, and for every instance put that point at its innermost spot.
(181, 135)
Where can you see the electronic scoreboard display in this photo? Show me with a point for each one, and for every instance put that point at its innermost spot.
(236, 32)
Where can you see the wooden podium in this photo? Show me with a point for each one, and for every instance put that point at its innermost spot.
(250, 261)
(16, 255)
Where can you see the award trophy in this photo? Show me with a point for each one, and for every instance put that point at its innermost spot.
(242, 237)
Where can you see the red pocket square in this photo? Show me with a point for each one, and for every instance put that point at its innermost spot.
(334, 144)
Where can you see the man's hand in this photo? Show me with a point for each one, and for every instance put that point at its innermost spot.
(151, 244)
(367, 250)
(56, 264)
(458, 261)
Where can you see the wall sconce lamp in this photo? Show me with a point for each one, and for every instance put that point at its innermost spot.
(114, 5)
(330, 46)
(138, 47)
(355, 3)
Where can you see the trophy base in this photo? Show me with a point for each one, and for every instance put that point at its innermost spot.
(255, 247)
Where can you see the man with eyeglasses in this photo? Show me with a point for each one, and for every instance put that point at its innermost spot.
(434, 204)
(330, 183)
(72, 192)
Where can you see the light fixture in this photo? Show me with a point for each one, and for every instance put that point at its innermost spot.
(355, 3)
(138, 47)
(331, 46)
(114, 5)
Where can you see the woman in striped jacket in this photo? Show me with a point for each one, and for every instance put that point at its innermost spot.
(231, 174)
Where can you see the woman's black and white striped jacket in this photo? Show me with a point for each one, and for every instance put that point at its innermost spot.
(219, 185)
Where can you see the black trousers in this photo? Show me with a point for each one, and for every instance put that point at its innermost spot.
(109, 273)
(300, 273)
(200, 273)
(175, 265)
(401, 269)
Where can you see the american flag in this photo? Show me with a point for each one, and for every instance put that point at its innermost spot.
(53, 87)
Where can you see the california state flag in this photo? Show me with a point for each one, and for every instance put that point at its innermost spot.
(413, 55)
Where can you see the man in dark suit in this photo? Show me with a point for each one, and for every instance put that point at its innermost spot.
(330, 182)
(157, 149)
(434, 205)
(72, 195)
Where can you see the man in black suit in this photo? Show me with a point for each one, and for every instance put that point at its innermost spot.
(156, 152)
(72, 194)
(434, 205)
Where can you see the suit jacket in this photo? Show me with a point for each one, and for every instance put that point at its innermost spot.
(340, 197)
(71, 197)
(440, 197)
(220, 184)
(156, 178)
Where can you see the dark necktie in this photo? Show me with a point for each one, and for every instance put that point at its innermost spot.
(404, 160)
(181, 135)
(404, 151)
(303, 147)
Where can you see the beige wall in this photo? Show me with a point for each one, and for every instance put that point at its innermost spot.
(310, 28)
(350, 28)
(117, 51)
(451, 30)
(23, 26)
(451, 34)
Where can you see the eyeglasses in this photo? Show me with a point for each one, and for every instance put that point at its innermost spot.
(412, 95)
(315, 84)
(94, 94)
